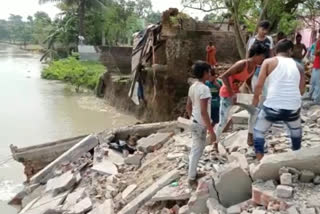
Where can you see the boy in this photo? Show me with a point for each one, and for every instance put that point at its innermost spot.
(214, 84)
(198, 108)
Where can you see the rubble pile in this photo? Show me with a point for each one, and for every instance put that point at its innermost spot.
(145, 172)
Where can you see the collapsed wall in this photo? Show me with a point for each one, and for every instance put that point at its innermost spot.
(166, 65)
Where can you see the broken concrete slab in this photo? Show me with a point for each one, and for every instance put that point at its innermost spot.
(128, 191)
(106, 208)
(81, 207)
(134, 159)
(73, 198)
(46, 204)
(173, 156)
(147, 194)
(306, 158)
(184, 123)
(73, 153)
(215, 207)
(231, 192)
(33, 195)
(236, 141)
(286, 179)
(106, 167)
(62, 183)
(169, 193)
(239, 158)
(308, 211)
(153, 142)
(183, 140)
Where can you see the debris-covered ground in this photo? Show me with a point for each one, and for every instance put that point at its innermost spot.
(145, 172)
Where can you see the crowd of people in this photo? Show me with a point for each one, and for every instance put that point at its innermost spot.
(273, 73)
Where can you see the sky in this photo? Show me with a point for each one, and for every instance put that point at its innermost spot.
(29, 7)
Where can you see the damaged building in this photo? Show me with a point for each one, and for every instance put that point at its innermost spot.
(162, 57)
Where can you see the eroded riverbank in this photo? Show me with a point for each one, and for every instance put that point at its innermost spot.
(35, 111)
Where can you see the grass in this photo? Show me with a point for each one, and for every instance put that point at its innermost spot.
(78, 73)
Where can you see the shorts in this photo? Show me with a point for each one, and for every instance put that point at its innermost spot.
(215, 115)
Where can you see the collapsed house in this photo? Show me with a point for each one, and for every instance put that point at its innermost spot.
(161, 65)
(99, 174)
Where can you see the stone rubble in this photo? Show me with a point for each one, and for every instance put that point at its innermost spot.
(152, 178)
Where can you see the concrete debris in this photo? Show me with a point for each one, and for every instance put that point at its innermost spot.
(308, 211)
(284, 191)
(169, 193)
(44, 205)
(231, 192)
(81, 207)
(73, 153)
(286, 179)
(133, 206)
(239, 158)
(128, 191)
(306, 176)
(184, 123)
(236, 209)
(215, 207)
(134, 159)
(62, 183)
(304, 159)
(106, 167)
(152, 177)
(106, 208)
(73, 198)
(153, 142)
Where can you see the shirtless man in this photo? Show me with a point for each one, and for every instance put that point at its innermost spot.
(299, 49)
(286, 84)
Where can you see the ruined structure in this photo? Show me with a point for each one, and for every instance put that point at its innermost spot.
(168, 52)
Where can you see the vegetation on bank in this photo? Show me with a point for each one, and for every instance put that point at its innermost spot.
(78, 73)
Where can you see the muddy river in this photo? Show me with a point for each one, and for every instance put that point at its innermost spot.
(34, 111)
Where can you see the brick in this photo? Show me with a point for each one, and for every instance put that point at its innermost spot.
(263, 196)
(245, 99)
(286, 179)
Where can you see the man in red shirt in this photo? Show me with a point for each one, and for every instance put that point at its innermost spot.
(315, 77)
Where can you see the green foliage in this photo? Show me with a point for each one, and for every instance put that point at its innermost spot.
(79, 74)
(288, 24)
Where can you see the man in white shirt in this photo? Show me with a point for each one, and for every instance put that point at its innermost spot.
(199, 109)
(286, 84)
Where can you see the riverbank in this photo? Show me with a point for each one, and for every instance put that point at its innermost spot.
(35, 111)
(29, 47)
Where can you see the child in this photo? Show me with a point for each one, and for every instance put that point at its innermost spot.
(199, 108)
(214, 84)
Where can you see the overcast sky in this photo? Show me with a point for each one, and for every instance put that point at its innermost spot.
(29, 7)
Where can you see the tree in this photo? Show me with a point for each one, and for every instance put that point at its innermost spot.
(41, 26)
(250, 12)
(153, 17)
(4, 30)
(82, 7)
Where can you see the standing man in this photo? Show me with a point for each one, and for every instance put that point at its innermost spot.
(211, 55)
(286, 84)
(198, 108)
(299, 50)
(262, 38)
(315, 76)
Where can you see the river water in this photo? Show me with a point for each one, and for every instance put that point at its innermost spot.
(35, 111)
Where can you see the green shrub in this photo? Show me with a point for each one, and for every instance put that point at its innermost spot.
(79, 74)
